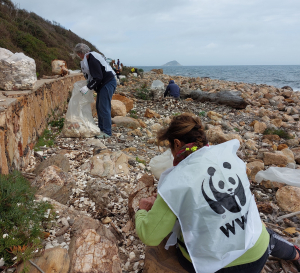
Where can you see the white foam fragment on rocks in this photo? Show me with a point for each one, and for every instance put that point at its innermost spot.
(157, 84)
(17, 71)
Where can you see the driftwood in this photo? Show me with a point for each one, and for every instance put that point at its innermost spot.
(230, 98)
(287, 215)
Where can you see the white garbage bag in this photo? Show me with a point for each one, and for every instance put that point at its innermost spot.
(17, 71)
(281, 175)
(160, 163)
(157, 84)
(79, 120)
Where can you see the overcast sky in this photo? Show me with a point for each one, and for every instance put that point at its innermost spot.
(192, 32)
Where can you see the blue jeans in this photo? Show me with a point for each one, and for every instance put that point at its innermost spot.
(103, 106)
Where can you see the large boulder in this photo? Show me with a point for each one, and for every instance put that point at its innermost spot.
(215, 135)
(127, 102)
(107, 164)
(59, 160)
(277, 158)
(53, 182)
(118, 108)
(93, 247)
(288, 198)
(94, 253)
(52, 260)
(125, 122)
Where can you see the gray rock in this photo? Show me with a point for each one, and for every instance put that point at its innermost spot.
(53, 182)
(59, 160)
(126, 122)
(98, 194)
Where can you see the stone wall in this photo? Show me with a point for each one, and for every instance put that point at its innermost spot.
(24, 116)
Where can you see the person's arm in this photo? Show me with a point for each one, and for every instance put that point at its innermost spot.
(167, 91)
(153, 226)
(96, 72)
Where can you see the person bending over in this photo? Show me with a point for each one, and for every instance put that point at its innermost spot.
(101, 78)
(205, 199)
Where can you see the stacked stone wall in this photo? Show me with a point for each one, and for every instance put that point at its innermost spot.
(24, 115)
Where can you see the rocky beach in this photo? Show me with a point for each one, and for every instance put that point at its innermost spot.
(95, 184)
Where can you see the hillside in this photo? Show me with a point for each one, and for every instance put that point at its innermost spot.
(38, 38)
(172, 63)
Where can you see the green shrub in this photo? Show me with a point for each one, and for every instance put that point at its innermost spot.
(46, 139)
(236, 129)
(57, 123)
(133, 114)
(202, 114)
(280, 132)
(22, 220)
(124, 80)
(143, 94)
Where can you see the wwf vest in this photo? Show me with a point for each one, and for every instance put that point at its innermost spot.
(210, 195)
(85, 66)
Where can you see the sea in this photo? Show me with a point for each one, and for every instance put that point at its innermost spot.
(275, 75)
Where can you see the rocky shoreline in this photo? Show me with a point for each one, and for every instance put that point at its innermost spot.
(90, 181)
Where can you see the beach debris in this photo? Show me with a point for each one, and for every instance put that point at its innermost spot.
(17, 71)
(59, 67)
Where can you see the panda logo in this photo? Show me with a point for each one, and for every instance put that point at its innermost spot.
(225, 200)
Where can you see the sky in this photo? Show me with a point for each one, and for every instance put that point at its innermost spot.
(192, 32)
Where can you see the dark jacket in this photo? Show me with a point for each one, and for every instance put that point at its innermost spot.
(99, 74)
(172, 90)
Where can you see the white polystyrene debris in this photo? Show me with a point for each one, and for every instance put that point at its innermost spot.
(17, 71)
(157, 84)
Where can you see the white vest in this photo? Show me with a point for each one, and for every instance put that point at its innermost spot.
(210, 195)
(85, 66)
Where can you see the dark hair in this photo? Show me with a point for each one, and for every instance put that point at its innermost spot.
(187, 128)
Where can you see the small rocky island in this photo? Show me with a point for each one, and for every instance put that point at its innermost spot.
(172, 63)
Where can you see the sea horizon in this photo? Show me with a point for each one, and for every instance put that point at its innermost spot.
(274, 75)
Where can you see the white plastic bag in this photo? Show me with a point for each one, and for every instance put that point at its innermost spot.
(160, 163)
(281, 175)
(79, 120)
(157, 84)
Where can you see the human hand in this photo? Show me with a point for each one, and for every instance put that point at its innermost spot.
(84, 90)
(147, 203)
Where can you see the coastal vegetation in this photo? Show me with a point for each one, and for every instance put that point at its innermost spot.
(23, 220)
(38, 38)
(143, 93)
(280, 132)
